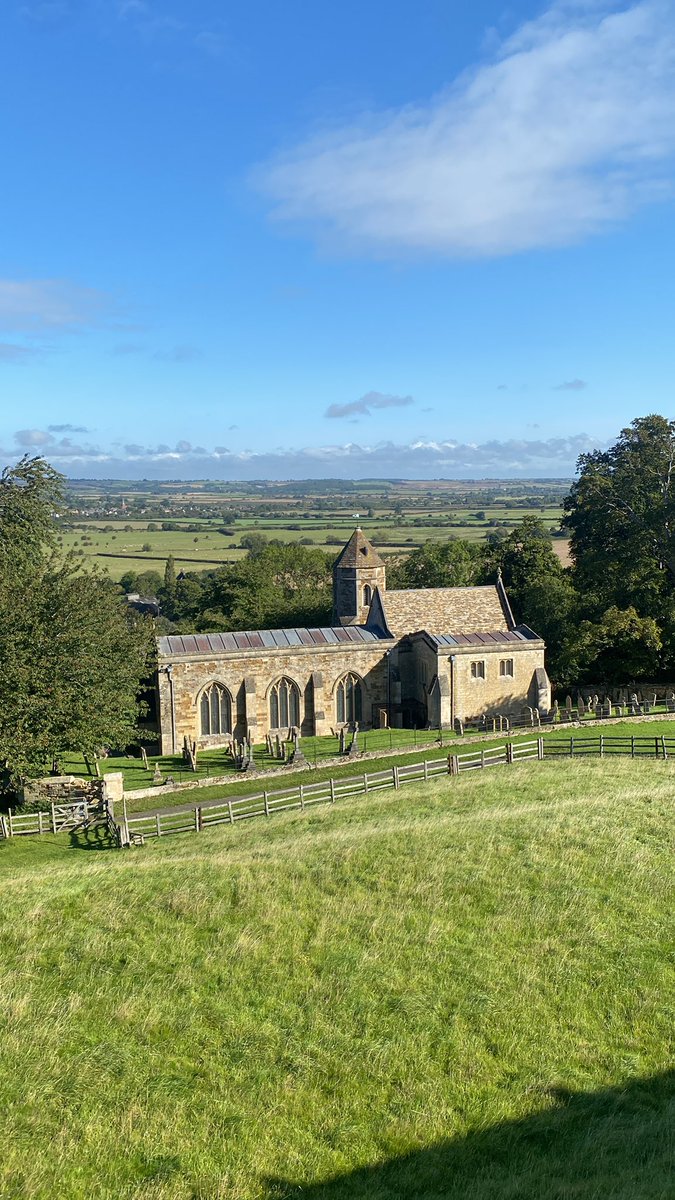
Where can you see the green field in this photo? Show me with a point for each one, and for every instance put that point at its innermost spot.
(413, 745)
(451, 992)
(397, 520)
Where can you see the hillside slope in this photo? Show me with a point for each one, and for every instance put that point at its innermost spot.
(444, 992)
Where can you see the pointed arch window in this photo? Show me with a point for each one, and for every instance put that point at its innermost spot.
(349, 699)
(284, 704)
(367, 595)
(215, 710)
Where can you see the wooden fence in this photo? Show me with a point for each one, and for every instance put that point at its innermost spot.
(135, 828)
(59, 818)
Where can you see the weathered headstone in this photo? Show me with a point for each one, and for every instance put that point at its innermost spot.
(157, 777)
(459, 727)
(354, 748)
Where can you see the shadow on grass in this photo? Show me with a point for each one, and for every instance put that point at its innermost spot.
(93, 837)
(614, 1144)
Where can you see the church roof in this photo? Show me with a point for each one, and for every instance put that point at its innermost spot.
(359, 552)
(498, 637)
(185, 644)
(445, 610)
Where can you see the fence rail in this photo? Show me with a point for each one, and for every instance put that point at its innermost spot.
(135, 828)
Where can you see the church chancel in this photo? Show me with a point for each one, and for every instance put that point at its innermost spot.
(420, 657)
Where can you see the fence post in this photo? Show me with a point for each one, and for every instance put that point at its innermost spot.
(540, 748)
(426, 770)
(158, 826)
(656, 746)
(302, 796)
(602, 745)
(39, 822)
(571, 745)
(365, 783)
(11, 829)
(632, 746)
(231, 814)
(509, 752)
(267, 807)
(397, 782)
(453, 764)
(198, 818)
(53, 819)
(332, 790)
(663, 746)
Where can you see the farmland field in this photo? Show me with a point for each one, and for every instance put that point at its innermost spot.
(122, 531)
(460, 992)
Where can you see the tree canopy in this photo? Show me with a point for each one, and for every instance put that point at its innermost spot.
(72, 653)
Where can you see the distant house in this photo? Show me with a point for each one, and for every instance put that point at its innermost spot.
(143, 604)
(405, 658)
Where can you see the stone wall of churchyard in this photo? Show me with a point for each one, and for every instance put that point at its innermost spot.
(248, 677)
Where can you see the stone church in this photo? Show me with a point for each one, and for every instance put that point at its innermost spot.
(407, 658)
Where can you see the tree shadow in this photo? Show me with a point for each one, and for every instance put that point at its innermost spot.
(92, 837)
(614, 1144)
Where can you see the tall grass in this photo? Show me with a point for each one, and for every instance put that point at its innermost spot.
(312, 1001)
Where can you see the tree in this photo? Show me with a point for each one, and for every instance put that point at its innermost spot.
(282, 585)
(620, 515)
(72, 653)
(539, 588)
(437, 564)
(622, 646)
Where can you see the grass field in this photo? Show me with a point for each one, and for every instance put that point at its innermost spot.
(319, 749)
(457, 993)
(116, 542)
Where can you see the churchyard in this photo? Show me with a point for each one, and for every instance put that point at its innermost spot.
(459, 989)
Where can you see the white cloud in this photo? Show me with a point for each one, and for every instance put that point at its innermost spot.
(421, 459)
(568, 130)
(55, 304)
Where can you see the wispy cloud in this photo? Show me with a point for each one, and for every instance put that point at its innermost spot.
(67, 429)
(12, 352)
(568, 130)
(366, 404)
(571, 385)
(179, 354)
(419, 459)
(49, 14)
(35, 305)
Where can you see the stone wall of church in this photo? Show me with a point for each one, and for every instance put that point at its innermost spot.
(248, 677)
(473, 696)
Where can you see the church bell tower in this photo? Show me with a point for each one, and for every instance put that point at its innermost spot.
(356, 574)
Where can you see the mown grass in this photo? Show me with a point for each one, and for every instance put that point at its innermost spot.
(451, 991)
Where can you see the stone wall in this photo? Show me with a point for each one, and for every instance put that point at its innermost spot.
(495, 693)
(248, 677)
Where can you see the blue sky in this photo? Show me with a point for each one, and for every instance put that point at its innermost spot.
(294, 240)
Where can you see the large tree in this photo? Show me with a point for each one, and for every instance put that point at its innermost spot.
(620, 514)
(72, 653)
(539, 588)
(275, 586)
(453, 563)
